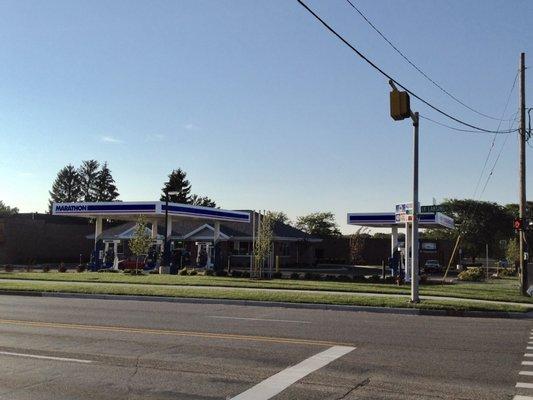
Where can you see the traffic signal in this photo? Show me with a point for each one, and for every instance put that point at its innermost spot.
(400, 107)
(518, 224)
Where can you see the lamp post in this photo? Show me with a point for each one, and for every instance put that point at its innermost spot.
(166, 245)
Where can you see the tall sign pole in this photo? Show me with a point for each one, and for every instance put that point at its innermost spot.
(522, 167)
(414, 241)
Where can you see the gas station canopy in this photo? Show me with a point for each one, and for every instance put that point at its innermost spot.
(153, 210)
(388, 220)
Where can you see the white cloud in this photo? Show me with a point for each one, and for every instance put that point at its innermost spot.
(156, 137)
(110, 139)
(192, 127)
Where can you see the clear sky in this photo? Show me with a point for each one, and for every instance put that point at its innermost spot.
(258, 103)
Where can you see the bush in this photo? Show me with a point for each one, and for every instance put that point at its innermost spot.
(209, 272)
(28, 268)
(221, 273)
(8, 268)
(81, 268)
(236, 273)
(182, 272)
(344, 278)
(193, 272)
(245, 274)
(46, 268)
(295, 275)
(312, 276)
(154, 271)
(506, 272)
(62, 268)
(374, 278)
(472, 275)
(277, 275)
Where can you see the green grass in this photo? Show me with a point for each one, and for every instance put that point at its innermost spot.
(505, 289)
(259, 295)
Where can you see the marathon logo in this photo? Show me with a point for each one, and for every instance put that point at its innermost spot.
(69, 208)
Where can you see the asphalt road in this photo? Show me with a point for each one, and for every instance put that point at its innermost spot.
(52, 348)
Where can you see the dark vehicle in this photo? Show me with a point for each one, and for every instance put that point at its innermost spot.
(432, 266)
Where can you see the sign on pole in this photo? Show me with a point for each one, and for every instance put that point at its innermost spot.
(435, 208)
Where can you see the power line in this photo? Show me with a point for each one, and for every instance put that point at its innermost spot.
(463, 130)
(382, 72)
(415, 66)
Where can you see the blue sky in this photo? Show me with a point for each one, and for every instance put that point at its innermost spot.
(260, 105)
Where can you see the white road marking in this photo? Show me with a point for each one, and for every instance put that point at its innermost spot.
(529, 373)
(261, 319)
(528, 355)
(529, 347)
(527, 362)
(282, 380)
(524, 385)
(518, 397)
(7, 353)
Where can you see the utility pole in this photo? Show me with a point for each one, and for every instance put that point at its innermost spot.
(522, 174)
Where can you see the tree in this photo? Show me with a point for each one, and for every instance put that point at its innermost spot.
(204, 201)
(140, 242)
(177, 182)
(512, 253)
(318, 224)
(281, 217)
(264, 242)
(479, 223)
(66, 187)
(357, 245)
(104, 186)
(88, 173)
(7, 210)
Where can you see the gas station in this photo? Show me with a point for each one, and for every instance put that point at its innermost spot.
(155, 212)
(398, 220)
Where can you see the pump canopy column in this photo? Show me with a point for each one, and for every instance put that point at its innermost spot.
(154, 229)
(97, 230)
(394, 239)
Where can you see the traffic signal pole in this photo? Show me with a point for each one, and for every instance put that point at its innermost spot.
(414, 242)
(522, 175)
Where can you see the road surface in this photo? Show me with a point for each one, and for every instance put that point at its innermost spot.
(53, 348)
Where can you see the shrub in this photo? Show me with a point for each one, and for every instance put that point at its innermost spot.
(46, 268)
(182, 272)
(506, 272)
(277, 275)
(245, 274)
(81, 268)
(8, 268)
(374, 278)
(28, 268)
(62, 268)
(295, 275)
(343, 278)
(359, 278)
(221, 273)
(154, 271)
(472, 275)
(209, 272)
(193, 272)
(236, 273)
(312, 276)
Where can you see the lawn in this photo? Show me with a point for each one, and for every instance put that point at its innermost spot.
(259, 295)
(505, 289)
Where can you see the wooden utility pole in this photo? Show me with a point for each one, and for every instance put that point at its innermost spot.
(522, 173)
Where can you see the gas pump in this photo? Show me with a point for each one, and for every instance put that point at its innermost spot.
(153, 259)
(110, 254)
(97, 257)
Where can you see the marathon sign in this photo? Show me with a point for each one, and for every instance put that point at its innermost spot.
(65, 208)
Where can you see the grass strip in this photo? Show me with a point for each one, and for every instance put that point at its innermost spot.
(259, 295)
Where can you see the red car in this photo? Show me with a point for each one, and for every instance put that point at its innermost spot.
(131, 263)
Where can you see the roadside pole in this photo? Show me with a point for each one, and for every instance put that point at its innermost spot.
(414, 241)
(522, 175)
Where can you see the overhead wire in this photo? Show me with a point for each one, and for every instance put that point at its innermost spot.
(385, 74)
(416, 67)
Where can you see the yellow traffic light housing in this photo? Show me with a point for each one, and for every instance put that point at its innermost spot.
(400, 107)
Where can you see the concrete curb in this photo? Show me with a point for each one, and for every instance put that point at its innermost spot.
(310, 306)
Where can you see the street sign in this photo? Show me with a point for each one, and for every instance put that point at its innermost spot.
(435, 208)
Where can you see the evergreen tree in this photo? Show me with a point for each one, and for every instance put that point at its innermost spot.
(66, 187)
(88, 173)
(104, 187)
(205, 201)
(177, 182)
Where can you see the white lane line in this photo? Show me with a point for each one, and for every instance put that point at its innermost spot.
(524, 385)
(7, 353)
(527, 362)
(528, 373)
(282, 380)
(261, 319)
(518, 397)
(529, 347)
(528, 355)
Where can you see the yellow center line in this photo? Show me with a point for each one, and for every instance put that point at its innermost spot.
(106, 328)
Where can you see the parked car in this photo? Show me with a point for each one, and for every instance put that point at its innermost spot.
(432, 266)
(131, 263)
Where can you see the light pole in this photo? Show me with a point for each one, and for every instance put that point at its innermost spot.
(400, 108)
(166, 245)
